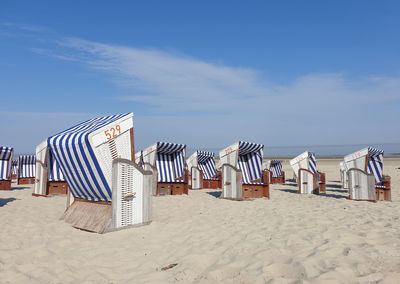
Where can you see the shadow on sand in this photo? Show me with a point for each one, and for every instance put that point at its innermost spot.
(333, 185)
(215, 194)
(4, 201)
(20, 188)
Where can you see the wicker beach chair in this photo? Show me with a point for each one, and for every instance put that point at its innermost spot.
(6, 159)
(107, 189)
(203, 171)
(276, 174)
(242, 174)
(167, 160)
(366, 180)
(26, 169)
(309, 179)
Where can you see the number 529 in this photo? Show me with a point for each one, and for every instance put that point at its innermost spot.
(113, 132)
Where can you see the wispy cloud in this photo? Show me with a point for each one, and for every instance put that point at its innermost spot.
(169, 81)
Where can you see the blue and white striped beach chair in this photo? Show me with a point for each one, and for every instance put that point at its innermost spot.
(49, 177)
(276, 174)
(14, 169)
(168, 160)
(6, 157)
(309, 179)
(108, 190)
(26, 169)
(242, 174)
(203, 171)
(366, 180)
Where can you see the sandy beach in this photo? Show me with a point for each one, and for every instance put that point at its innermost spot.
(287, 239)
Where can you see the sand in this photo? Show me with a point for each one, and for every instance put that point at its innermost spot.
(288, 239)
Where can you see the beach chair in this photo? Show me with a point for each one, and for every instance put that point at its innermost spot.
(14, 169)
(343, 175)
(203, 171)
(167, 160)
(108, 190)
(49, 177)
(309, 179)
(276, 174)
(6, 158)
(26, 169)
(365, 175)
(242, 174)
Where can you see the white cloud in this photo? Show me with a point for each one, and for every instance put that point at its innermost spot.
(208, 104)
(230, 103)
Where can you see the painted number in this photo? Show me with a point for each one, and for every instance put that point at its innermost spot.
(113, 132)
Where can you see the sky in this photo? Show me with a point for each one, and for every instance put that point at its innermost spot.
(203, 73)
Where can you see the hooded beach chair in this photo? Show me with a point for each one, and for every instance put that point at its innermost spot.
(365, 175)
(242, 174)
(108, 191)
(49, 177)
(26, 169)
(276, 174)
(6, 158)
(168, 161)
(309, 179)
(343, 175)
(14, 169)
(203, 171)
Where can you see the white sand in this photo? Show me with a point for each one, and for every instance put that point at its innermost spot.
(288, 239)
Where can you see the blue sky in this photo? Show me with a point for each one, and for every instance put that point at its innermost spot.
(206, 74)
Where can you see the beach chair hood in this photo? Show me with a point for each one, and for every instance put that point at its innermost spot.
(206, 163)
(275, 167)
(247, 157)
(85, 153)
(306, 160)
(26, 166)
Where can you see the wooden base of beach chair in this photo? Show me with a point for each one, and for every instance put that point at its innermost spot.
(5, 184)
(255, 191)
(322, 182)
(353, 199)
(57, 188)
(384, 193)
(26, 180)
(213, 184)
(89, 216)
(276, 180)
(172, 188)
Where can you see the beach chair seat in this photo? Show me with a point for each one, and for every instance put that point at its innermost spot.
(242, 174)
(6, 160)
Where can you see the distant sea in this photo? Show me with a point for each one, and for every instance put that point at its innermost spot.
(328, 151)
(321, 151)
